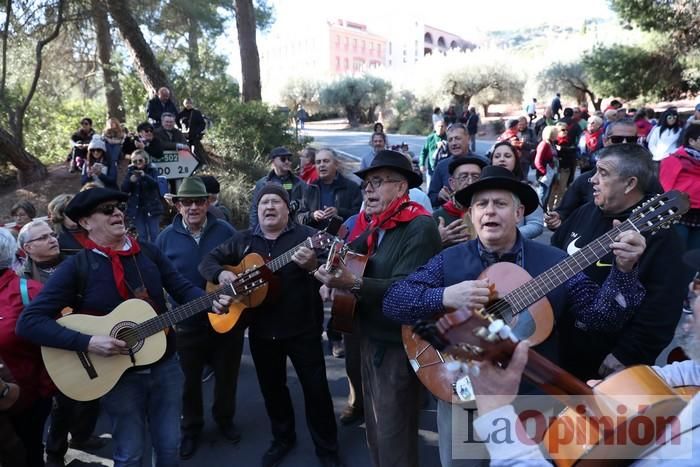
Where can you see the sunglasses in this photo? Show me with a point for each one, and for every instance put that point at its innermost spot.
(623, 139)
(187, 202)
(285, 158)
(43, 238)
(108, 209)
(147, 130)
(138, 161)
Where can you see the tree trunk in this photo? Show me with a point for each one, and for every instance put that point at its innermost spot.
(5, 34)
(147, 66)
(113, 90)
(597, 103)
(29, 168)
(250, 60)
(486, 109)
(193, 48)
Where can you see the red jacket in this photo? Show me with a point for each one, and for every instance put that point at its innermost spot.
(681, 171)
(544, 157)
(22, 358)
(308, 173)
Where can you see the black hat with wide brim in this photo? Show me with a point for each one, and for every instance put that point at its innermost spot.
(393, 160)
(84, 203)
(499, 178)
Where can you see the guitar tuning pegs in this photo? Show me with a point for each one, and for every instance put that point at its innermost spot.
(428, 331)
(453, 366)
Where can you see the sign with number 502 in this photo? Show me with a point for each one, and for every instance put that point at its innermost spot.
(176, 164)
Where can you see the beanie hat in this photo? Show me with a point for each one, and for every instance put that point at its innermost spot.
(97, 143)
(273, 189)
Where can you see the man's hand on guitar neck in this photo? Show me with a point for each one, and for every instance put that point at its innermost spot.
(226, 277)
(341, 278)
(496, 386)
(627, 248)
(305, 258)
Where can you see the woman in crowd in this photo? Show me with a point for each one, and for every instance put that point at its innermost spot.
(70, 235)
(113, 136)
(681, 171)
(664, 138)
(23, 211)
(144, 206)
(379, 127)
(505, 155)
(22, 358)
(307, 165)
(99, 168)
(643, 125)
(545, 157)
(590, 142)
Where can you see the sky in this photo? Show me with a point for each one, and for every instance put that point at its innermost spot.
(463, 18)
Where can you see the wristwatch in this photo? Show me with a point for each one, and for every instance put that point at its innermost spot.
(4, 391)
(357, 283)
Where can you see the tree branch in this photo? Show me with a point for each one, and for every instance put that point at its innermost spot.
(5, 34)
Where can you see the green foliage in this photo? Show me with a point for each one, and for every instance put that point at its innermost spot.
(409, 115)
(630, 72)
(50, 124)
(507, 90)
(571, 79)
(241, 139)
(357, 97)
(302, 91)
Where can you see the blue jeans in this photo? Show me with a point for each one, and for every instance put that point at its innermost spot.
(147, 226)
(150, 401)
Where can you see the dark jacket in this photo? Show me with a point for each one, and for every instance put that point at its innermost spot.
(652, 326)
(441, 177)
(154, 149)
(144, 193)
(156, 108)
(192, 121)
(100, 297)
(346, 195)
(169, 139)
(180, 248)
(109, 179)
(296, 309)
(294, 185)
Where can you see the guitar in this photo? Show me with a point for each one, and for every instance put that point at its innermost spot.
(253, 262)
(521, 300)
(598, 423)
(344, 301)
(84, 376)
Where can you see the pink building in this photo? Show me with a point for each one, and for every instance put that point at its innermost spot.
(353, 49)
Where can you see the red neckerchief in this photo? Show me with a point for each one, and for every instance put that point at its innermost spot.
(80, 236)
(451, 208)
(399, 211)
(117, 266)
(592, 140)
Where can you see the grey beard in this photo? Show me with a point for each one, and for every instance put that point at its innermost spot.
(690, 343)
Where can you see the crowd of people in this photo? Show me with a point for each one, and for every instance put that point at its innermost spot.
(429, 226)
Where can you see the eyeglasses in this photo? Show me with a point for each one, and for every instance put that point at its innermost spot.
(623, 139)
(671, 116)
(43, 238)
(376, 182)
(187, 202)
(285, 158)
(467, 176)
(108, 209)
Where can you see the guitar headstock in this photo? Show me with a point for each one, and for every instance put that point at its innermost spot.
(336, 253)
(470, 336)
(660, 211)
(251, 280)
(322, 240)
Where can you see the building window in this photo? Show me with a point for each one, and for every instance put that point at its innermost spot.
(337, 63)
(354, 44)
(363, 46)
(346, 63)
(379, 49)
(371, 45)
(337, 39)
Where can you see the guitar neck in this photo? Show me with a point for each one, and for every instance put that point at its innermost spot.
(538, 287)
(286, 257)
(174, 316)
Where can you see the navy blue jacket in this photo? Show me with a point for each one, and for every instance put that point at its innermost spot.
(441, 177)
(153, 270)
(179, 247)
(144, 193)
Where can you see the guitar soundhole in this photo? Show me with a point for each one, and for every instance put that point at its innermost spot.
(124, 331)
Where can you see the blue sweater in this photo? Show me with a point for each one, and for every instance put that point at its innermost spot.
(152, 270)
(179, 247)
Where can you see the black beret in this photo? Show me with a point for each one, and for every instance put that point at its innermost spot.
(84, 203)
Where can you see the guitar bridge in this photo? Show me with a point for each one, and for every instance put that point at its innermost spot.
(87, 364)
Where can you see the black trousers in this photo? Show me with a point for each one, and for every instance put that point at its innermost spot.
(68, 415)
(196, 348)
(29, 427)
(306, 355)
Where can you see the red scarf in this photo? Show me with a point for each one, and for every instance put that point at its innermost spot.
(451, 208)
(399, 211)
(117, 266)
(308, 173)
(592, 140)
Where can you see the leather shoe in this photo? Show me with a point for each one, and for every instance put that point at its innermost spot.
(351, 415)
(230, 433)
(188, 446)
(330, 460)
(278, 450)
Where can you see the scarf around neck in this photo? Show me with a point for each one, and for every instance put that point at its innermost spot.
(117, 265)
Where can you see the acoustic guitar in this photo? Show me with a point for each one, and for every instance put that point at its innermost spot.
(521, 300)
(344, 301)
(600, 425)
(253, 262)
(84, 376)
